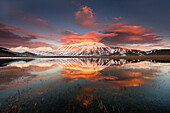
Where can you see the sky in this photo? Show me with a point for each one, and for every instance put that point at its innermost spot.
(49, 24)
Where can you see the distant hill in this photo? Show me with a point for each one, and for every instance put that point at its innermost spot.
(158, 52)
(8, 53)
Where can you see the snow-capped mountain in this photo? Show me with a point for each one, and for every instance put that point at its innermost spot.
(95, 49)
(84, 49)
(7, 52)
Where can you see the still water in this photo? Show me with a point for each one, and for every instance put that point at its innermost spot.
(84, 85)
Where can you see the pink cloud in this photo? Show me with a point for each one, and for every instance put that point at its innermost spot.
(67, 32)
(85, 17)
(41, 48)
(54, 35)
(23, 31)
(91, 36)
(128, 29)
(112, 34)
(10, 37)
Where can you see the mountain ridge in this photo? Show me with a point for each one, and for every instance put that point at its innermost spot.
(4, 52)
(85, 49)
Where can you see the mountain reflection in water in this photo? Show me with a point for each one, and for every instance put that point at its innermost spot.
(81, 82)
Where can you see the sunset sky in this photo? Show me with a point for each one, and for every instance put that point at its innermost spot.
(49, 24)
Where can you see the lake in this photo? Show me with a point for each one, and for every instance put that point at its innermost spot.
(84, 85)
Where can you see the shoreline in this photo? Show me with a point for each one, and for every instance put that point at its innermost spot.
(153, 57)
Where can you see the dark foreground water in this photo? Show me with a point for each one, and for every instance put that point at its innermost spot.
(84, 85)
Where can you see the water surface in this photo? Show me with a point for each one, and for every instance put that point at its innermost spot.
(84, 85)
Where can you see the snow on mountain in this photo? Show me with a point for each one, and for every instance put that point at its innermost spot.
(89, 49)
(94, 49)
(85, 49)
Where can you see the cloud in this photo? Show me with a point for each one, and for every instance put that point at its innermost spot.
(91, 36)
(38, 47)
(53, 35)
(9, 37)
(38, 44)
(85, 17)
(116, 18)
(23, 31)
(112, 26)
(67, 32)
(114, 35)
(148, 46)
(131, 35)
(37, 22)
(128, 29)
(125, 34)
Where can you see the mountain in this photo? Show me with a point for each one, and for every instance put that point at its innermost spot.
(99, 49)
(96, 49)
(158, 52)
(26, 54)
(85, 49)
(8, 53)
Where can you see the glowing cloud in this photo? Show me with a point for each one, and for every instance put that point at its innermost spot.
(92, 36)
(85, 17)
(124, 34)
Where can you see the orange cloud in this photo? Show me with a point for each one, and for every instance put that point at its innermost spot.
(129, 29)
(67, 32)
(54, 35)
(92, 36)
(126, 34)
(85, 17)
(113, 26)
(130, 35)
